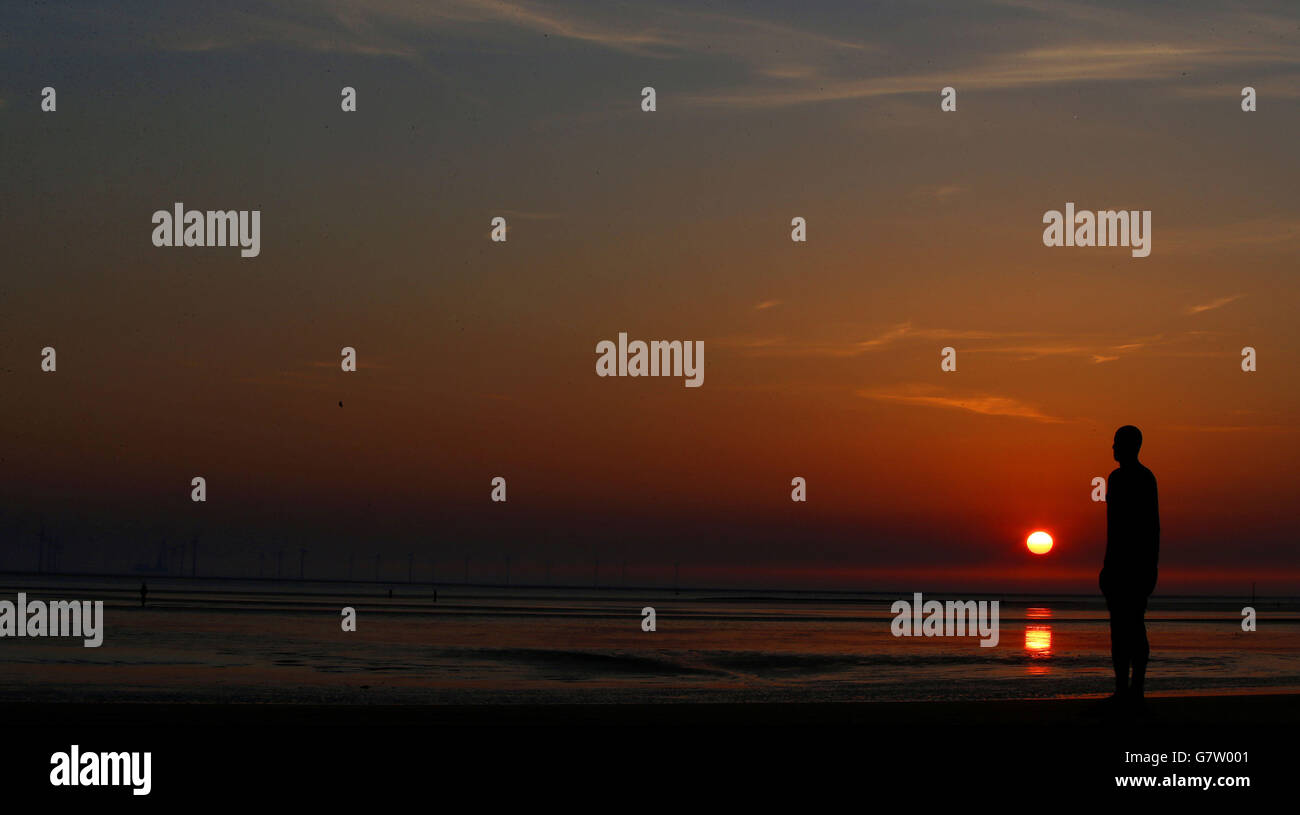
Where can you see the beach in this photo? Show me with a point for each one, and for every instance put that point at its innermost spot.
(279, 645)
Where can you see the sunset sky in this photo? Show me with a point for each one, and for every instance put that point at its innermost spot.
(821, 359)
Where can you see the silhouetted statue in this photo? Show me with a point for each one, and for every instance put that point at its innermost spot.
(1128, 575)
(144, 592)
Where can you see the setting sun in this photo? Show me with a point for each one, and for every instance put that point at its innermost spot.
(1040, 543)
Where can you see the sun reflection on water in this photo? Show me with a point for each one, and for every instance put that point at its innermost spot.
(1038, 641)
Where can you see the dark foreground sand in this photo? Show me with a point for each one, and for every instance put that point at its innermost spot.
(1214, 711)
(729, 757)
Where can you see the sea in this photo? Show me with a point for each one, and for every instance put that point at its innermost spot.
(281, 641)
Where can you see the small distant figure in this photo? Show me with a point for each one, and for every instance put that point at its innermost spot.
(144, 592)
(1129, 573)
(390, 594)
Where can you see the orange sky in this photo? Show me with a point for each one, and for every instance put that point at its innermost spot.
(822, 359)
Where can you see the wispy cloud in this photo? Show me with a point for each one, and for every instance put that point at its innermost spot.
(402, 28)
(880, 341)
(1098, 62)
(1042, 43)
(926, 395)
(890, 336)
(1023, 345)
(1281, 86)
(1213, 304)
(769, 59)
(766, 304)
(1096, 351)
(907, 330)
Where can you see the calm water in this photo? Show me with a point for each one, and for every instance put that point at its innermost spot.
(281, 642)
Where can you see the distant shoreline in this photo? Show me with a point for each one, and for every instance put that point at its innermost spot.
(130, 586)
